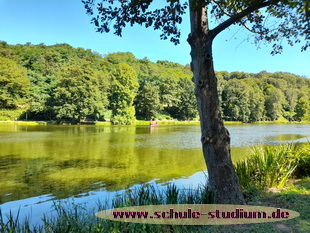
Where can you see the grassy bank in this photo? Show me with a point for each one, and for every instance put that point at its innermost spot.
(170, 122)
(295, 196)
(279, 122)
(103, 123)
(147, 123)
(24, 123)
(275, 176)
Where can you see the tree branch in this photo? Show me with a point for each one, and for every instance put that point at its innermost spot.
(221, 8)
(237, 17)
(240, 21)
(249, 29)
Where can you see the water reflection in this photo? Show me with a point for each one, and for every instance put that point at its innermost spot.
(65, 161)
(68, 160)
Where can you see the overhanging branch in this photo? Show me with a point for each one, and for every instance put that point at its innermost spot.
(237, 17)
(240, 21)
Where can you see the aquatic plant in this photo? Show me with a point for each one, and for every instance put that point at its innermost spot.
(271, 166)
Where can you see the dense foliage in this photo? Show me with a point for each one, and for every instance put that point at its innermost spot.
(63, 83)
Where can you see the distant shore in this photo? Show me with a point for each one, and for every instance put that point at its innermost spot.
(145, 123)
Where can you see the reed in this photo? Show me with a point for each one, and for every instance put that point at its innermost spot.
(77, 218)
(271, 166)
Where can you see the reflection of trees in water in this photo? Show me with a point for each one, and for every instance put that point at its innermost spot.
(72, 158)
(67, 160)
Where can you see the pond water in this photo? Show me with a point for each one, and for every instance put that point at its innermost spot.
(41, 163)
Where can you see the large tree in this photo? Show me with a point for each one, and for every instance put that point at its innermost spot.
(289, 21)
(236, 101)
(186, 106)
(124, 88)
(147, 102)
(80, 91)
(274, 102)
(14, 84)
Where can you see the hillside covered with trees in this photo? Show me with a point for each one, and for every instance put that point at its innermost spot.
(59, 82)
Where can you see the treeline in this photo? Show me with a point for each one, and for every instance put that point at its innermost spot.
(59, 82)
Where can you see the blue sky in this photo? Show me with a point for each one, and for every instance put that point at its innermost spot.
(65, 21)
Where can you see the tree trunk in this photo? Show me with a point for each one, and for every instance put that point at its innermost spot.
(215, 138)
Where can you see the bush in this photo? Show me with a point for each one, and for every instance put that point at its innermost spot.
(161, 117)
(11, 115)
(124, 116)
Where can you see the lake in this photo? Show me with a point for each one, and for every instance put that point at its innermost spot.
(43, 163)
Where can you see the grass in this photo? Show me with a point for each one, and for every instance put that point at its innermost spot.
(23, 123)
(175, 122)
(139, 122)
(272, 166)
(281, 121)
(168, 122)
(75, 218)
(6, 121)
(233, 122)
(103, 123)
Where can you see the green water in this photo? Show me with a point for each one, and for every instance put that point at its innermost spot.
(69, 160)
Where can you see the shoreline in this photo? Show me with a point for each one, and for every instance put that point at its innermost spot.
(144, 123)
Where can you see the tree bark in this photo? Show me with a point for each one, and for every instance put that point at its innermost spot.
(215, 138)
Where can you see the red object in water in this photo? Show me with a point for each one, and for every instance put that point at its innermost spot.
(153, 123)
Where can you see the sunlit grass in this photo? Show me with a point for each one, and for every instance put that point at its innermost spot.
(103, 123)
(233, 122)
(27, 123)
(6, 121)
(140, 123)
(178, 122)
(167, 122)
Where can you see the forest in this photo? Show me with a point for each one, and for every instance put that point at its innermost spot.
(62, 83)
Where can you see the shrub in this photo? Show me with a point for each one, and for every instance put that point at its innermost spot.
(11, 115)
